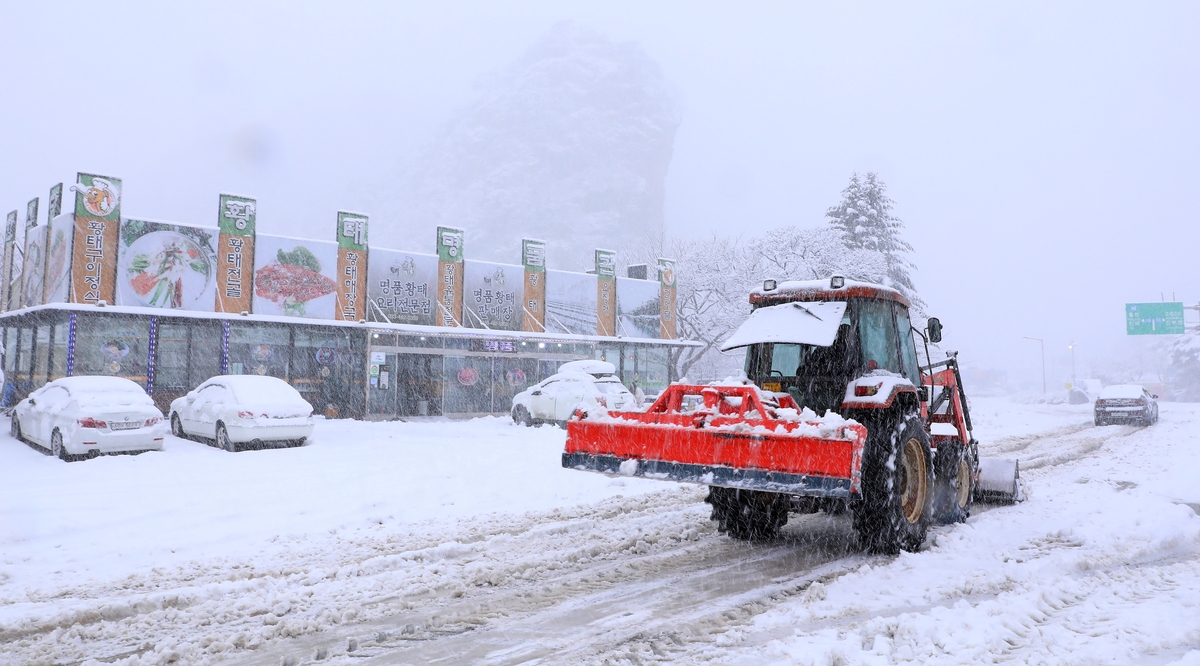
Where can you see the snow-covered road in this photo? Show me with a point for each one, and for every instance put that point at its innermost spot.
(466, 543)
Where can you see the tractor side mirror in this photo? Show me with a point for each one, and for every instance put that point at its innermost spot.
(934, 328)
(923, 393)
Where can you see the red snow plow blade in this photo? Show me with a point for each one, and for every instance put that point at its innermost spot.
(732, 436)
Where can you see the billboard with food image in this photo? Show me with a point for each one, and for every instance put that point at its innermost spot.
(60, 235)
(164, 265)
(295, 277)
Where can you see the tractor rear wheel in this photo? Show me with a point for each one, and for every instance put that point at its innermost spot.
(953, 490)
(897, 486)
(748, 515)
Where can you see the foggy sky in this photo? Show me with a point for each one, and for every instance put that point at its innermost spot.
(1044, 158)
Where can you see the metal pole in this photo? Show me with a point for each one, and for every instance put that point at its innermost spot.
(1072, 348)
(1043, 345)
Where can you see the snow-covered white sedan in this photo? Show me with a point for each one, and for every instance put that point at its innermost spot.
(234, 411)
(578, 384)
(78, 417)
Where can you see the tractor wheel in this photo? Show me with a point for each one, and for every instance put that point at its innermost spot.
(953, 491)
(748, 515)
(897, 486)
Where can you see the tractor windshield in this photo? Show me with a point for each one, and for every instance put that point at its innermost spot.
(815, 375)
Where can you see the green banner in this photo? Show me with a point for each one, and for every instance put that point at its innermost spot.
(1154, 319)
(606, 264)
(533, 255)
(450, 244)
(352, 231)
(31, 214)
(236, 215)
(54, 205)
(97, 197)
(666, 272)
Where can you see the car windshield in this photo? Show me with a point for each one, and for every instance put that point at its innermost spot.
(611, 388)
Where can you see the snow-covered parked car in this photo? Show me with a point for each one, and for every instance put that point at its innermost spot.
(1125, 403)
(81, 417)
(234, 411)
(578, 384)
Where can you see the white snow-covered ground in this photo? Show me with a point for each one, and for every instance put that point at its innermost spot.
(465, 542)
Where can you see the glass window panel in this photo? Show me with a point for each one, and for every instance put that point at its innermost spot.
(468, 384)
(41, 356)
(908, 349)
(877, 336)
(112, 345)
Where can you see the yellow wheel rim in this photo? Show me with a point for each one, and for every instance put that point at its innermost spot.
(913, 485)
(964, 483)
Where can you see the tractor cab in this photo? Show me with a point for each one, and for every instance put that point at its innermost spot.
(811, 339)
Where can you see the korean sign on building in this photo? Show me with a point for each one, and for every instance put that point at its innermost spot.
(10, 241)
(352, 267)
(236, 218)
(94, 251)
(450, 276)
(533, 256)
(606, 292)
(666, 298)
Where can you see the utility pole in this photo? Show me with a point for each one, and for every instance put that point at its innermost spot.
(1072, 348)
(1043, 344)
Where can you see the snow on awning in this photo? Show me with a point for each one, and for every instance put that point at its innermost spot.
(809, 323)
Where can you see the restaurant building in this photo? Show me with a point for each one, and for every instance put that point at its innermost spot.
(361, 332)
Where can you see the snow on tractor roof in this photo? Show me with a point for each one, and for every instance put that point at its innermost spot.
(820, 290)
(590, 366)
(810, 323)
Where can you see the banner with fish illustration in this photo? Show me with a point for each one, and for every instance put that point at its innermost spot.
(570, 302)
(450, 272)
(351, 266)
(94, 249)
(666, 298)
(637, 308)
(163, 265)
(492, 298)
(606, 292)
(402, 287)
(6, 270)
(60, 235)
(295, 277)
(533, 291)
(236, 217)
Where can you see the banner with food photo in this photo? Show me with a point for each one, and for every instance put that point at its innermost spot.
(637, 308)
(164, 265)
(60, 235)
(493, 295)
(34, 273)
(570, 302)
(295, 277)
(402, 287)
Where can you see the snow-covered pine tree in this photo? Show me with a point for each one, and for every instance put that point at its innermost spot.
(865, 220)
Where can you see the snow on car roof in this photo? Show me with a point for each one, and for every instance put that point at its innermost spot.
(590, 366)
(91, 384)
(1121, 391)
(259, 388)
(809, 323)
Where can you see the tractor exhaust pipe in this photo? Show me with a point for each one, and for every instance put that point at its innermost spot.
(999, 482)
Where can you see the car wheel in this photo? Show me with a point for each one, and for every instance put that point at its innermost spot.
(15, 427)
(57, 449)
(521, 416)
(223, 440)
(177, 426)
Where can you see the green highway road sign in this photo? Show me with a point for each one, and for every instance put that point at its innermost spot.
(1154, 318)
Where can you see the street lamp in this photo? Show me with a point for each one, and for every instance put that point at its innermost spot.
(1043, 344)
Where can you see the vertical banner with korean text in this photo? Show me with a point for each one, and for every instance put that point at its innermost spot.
(54, 205)
(10, 242)
(33, 269)
(236, 218)
(533, 256)
(94, 250)
(450, 276)
(606, 293)
(666, 298)
(351, 267)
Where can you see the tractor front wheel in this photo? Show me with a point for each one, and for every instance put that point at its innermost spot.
(953, 490)
(748, 515)
(897, 486)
